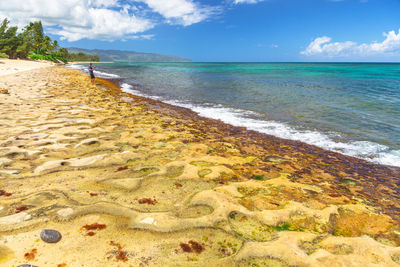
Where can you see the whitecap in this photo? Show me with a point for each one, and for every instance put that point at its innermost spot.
(367, 150)
(97, 73)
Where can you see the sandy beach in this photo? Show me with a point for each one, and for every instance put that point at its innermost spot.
(130, 181)
(8, 66)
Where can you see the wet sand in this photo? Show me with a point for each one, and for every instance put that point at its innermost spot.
(130, 181)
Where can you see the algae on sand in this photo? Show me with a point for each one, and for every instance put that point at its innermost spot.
(171, 193)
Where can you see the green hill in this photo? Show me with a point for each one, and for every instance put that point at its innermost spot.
(127, 56)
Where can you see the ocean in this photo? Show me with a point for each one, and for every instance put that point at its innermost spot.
(350, 108)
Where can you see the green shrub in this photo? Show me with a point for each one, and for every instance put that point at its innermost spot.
(30, 40)
(40, 57)
(51, 57)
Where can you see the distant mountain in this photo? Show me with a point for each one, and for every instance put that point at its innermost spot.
(127, 56)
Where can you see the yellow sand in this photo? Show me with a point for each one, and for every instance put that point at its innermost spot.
(11, 66)
(72, 154)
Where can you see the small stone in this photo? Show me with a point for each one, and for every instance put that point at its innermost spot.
(26, 265)
(50, 236)
(148, 220)
(65, 213)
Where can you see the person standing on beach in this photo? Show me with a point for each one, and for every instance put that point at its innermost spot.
(91, 69)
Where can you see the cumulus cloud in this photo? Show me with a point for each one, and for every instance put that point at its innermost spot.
(323, 46)
(184, 12)
(103, 19)
(77, 19)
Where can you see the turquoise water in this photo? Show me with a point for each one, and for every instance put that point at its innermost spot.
(350, 108)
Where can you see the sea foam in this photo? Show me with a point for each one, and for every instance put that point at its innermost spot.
(97, 73)
(369, 151)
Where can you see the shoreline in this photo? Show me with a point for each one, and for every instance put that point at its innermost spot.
(117, 82)
(372, 173)
(87, 62)
(174, 188)
(360, 147)
(376, 173)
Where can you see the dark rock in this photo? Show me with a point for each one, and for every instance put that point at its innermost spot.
(50, 236)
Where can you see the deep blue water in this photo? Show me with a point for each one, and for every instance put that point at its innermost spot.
(351, 108)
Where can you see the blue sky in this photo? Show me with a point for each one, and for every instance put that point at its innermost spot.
(229, 30)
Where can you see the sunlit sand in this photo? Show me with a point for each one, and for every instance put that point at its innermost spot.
(129, 181)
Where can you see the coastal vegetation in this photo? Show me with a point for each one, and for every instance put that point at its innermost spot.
(78, 56)
(32, 43)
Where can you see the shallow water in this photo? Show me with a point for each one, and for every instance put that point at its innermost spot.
(351, 108)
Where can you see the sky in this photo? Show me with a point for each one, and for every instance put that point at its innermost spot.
(226, 30)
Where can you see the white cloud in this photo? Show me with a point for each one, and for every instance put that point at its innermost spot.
(102, 19)
(77, 19)
(322, 46)
(142, 37)
(184, 12)
(103, 3)
(105, 24)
